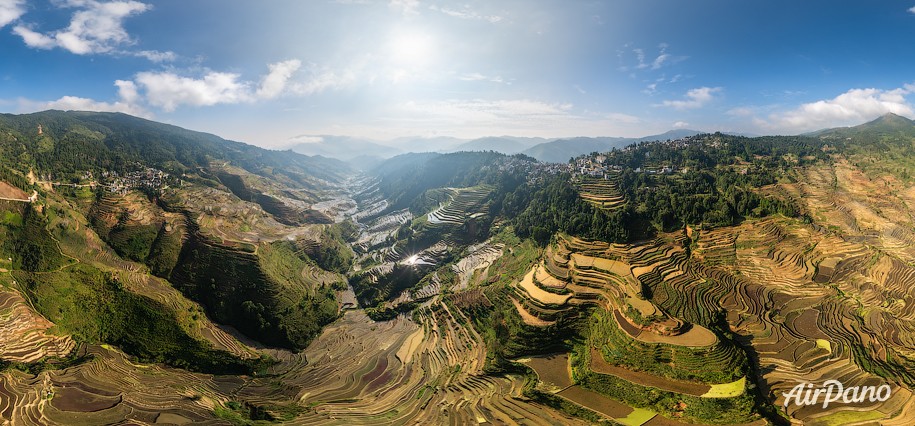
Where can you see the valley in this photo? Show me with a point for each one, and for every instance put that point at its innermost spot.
(687, 281)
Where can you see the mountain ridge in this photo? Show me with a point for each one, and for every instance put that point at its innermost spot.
(886, 124)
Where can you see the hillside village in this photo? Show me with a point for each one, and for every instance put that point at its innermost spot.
(597, 165)
(143, 178)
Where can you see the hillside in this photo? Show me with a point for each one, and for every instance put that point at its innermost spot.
(165, 203)
(690, 280)
(888, 125)
(560, 151)
(74, 140)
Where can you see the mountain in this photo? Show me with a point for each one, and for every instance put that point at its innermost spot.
(75, 141)
(670, 134)
(356, 150)
(559, 151)
(505, 145)
(441, 272)
(425, 144)
(189, 206)
(342, 147)
(887, 125)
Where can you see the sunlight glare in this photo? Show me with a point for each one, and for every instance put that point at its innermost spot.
(411, 49)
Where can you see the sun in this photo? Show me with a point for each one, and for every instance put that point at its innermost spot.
(411, 49)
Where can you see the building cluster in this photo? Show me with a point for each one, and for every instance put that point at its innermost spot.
(593, 166)
(149, 178)
(600, 166)
(596, 165)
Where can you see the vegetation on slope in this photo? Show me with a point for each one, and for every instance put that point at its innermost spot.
(26, 239)
(75, 141)
(165, 251)
(264, 296)
(95, 308)
(706, 410)
(404, 178)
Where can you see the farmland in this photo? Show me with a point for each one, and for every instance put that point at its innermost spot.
(372, 299)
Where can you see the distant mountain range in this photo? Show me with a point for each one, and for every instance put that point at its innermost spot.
(558, 150)
(503, 144)
(342, 147)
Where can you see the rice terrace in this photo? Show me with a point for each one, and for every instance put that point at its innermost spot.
(373, 254)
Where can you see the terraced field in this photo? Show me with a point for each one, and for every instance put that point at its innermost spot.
(602, 193)
(838, 294)
(479, 258)
(388, 263)
(380, 230)
(357, 372)
(699, 326)
(465, 204)
(814, 334)
(631, 338)
(25, 336)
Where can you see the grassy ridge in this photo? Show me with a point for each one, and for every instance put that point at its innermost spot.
(94, 307)
(721, 363)
(705, 410)
(26, 239)
(133, 242)
(264, 296)
(165, 251)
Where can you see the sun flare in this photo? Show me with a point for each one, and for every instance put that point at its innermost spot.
(411, 48)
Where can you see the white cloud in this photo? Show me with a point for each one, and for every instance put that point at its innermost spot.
(34, 39)
(681, 125)
(10, 11)
(850, 108)
(663, 56)
(156, 56)
(663, 59)
(695, 98)
(168, 90)
(478, 110)
(651, 89)
(742, 112)
(127, 91)
(407, 7)
(85, 104)
(640, 55)
(467, 13)
(912, 9)
(481, 77)
(128, 102)
(96, 27)
(323, 79)
(277, 79)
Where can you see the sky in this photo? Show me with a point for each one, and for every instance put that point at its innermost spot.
(274, 72)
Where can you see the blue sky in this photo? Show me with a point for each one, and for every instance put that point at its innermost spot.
(274, 72)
